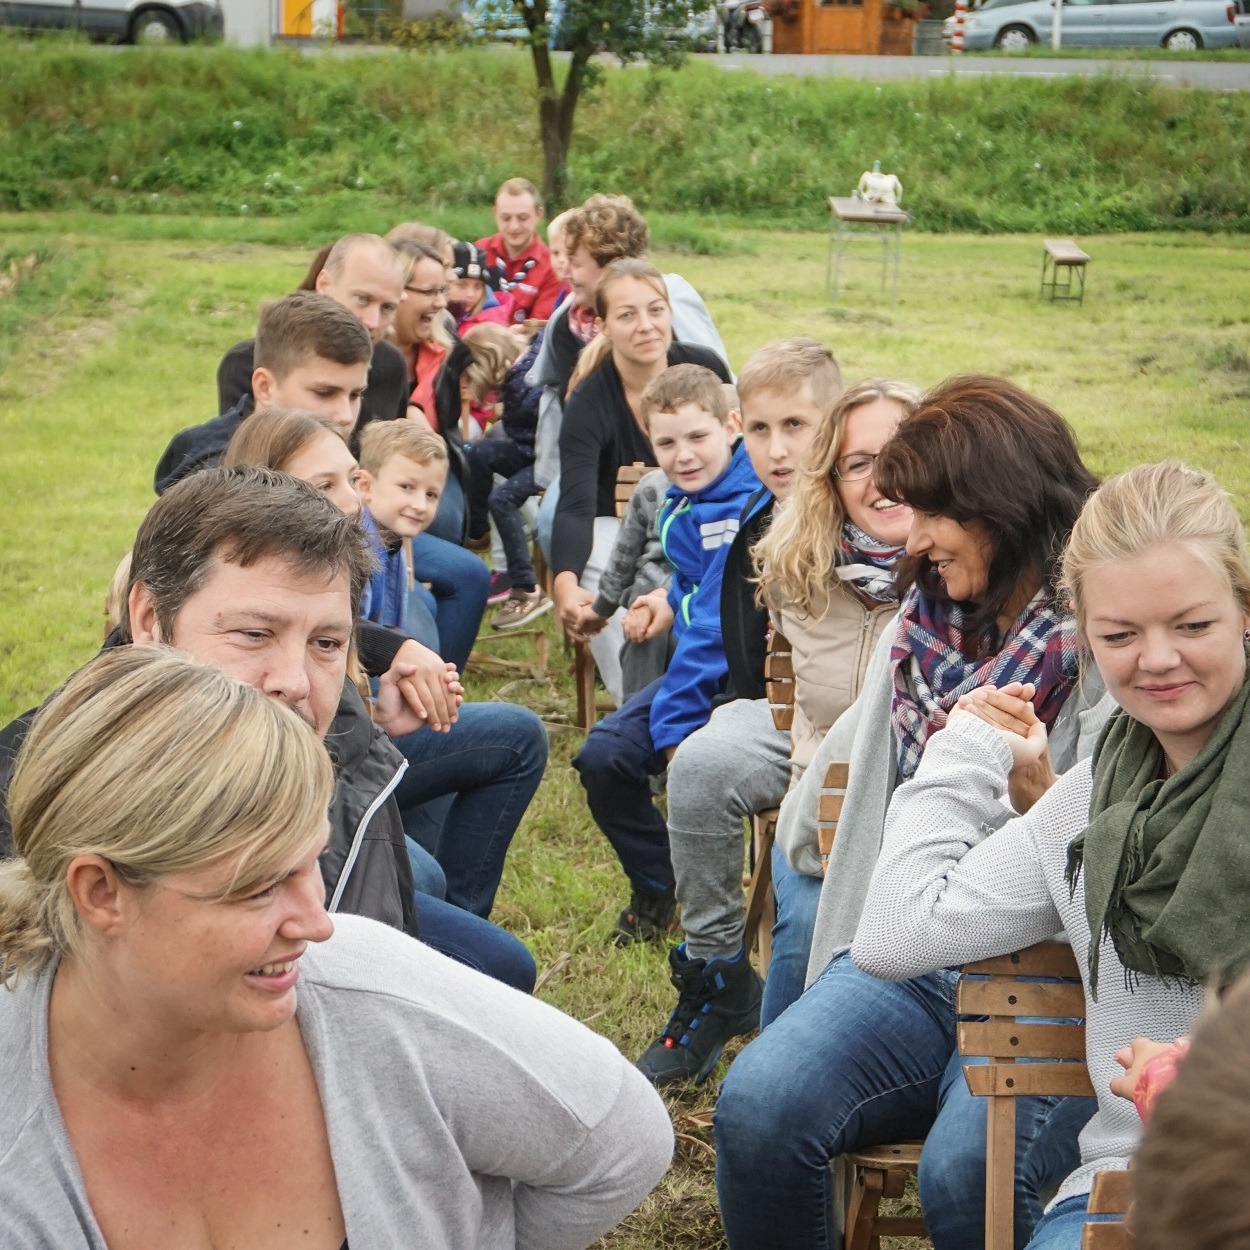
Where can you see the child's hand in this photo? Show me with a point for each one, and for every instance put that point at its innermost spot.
(649, 617)
(1149, 1068)
(589, 622)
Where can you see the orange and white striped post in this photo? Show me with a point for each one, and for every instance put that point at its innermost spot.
(957, 36)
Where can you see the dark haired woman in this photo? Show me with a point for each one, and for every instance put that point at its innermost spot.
(995, 483)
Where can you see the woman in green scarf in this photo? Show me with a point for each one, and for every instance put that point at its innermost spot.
(1140, 854)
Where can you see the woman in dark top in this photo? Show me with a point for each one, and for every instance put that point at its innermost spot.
(602, 431)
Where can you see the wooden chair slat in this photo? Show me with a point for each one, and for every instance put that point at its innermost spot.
(1022, 1080)
(627, 478)
(1046, 959)
(837, 775)
(896, 1155)
(1112, 1193)
(1115, 1236)
(778, 666)
(779, 693)
(829, 808)
(1020, 998)
(1004, 1039)
(824, 839)
(783, 718)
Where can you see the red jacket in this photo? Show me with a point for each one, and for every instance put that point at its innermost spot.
(532, 282)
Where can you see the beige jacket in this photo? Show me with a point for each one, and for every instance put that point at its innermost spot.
(829, 657)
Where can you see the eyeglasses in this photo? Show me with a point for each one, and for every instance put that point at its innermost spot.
(430, 292)
(855, 467)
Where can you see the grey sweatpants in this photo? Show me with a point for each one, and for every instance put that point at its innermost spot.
(736, 765)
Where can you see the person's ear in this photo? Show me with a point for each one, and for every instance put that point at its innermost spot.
(144, 627)
(733, 424)
(322, 283)
(263, 383)
(96, 892)
(364, 484)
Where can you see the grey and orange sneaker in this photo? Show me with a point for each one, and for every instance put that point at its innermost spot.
(521, 608)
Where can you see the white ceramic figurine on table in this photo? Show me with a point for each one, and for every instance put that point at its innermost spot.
(879, 188)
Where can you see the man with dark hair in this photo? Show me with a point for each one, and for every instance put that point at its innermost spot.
(259, 574)
(309, 353)
(362, 274)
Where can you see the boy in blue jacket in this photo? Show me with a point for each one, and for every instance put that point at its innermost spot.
(694, 436)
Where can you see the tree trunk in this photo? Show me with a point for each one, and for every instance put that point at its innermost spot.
(555, 121)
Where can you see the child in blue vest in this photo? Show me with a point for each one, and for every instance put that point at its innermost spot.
(403, 469)
(694, 436)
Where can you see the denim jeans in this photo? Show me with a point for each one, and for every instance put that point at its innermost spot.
(616, 763)
(492, 760)
(859, 1062)
(1060, 1228)
(547, 518)
(427, 873)
(420, 622)
(798, 897)
(487, 457)
(505, 509)
(460, 582)
(448, 523)
(476, 943)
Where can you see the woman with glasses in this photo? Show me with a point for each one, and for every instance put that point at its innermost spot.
(995, 482)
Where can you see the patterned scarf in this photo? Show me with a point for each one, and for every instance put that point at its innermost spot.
(866, 565)
(582, 323)
(935, 660)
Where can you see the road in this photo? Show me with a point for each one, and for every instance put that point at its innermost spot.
(1207, 75)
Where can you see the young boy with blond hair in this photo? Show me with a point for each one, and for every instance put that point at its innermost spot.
(695, 440)
(403, 469)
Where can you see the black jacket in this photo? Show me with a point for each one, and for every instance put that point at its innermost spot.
(365, 866)
(385, 397)
(199, 446)
(743, 623)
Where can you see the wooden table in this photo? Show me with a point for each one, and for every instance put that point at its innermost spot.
(851, 218)
(1063, 254)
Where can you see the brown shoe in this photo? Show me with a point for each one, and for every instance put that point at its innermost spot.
(521, 608)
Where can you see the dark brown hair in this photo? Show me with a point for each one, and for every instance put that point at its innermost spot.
(304, 324)
(986, 453)
(1189, 1174)
(240, 516)
(685, 384)
(271, 439)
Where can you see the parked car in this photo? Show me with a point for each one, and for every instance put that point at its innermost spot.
(127, 21)
(1181, 25)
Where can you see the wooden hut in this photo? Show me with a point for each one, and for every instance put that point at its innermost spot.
(851, 26)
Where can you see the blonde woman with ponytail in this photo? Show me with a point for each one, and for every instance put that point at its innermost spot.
(198, 1056)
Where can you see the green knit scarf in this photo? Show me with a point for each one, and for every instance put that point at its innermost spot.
(1167, 862)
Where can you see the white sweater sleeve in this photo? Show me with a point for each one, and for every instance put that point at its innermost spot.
(947, 887)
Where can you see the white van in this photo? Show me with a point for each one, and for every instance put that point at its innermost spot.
(128, 21)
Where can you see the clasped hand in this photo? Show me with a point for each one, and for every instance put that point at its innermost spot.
(1009, 709)
(419, 690)
(649, 616)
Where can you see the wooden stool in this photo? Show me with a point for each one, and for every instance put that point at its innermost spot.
(1063, 254)
(882, 1172)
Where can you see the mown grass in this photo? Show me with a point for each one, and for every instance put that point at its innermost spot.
(95, 377)
(336, 138)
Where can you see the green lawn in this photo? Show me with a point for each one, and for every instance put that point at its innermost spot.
(113, 343)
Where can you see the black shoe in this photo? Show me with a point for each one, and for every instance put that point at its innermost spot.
(648, 917)
(717, 999)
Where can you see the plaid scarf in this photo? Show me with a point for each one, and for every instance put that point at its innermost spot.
(866, 565)
(935, 661)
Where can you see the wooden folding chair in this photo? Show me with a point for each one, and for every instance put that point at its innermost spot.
(761, 902)
(627, 478)
(1111, 1195)
(1033, 1059)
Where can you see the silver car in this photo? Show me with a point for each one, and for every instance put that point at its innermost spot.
(1181, 25)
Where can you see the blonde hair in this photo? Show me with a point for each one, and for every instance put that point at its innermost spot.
(495, 349)
(521, 186)
(273, 437)
(685, 384)
(159, 765)
(558, 225)
(438, 241)
(795, 558)
(786, 365)
(382, 440)
(598, 349)
(1146, 507)
(116, 595)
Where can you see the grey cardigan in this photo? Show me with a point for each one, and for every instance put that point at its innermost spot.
(460, 1113)
(637, 564)
(864, 737)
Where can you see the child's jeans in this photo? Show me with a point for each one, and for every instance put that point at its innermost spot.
(486, 458)
(616, 764)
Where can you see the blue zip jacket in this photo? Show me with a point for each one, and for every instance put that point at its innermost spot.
(696, 532)
(385, 597)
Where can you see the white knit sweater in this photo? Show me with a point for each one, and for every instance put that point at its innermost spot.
(945, 891)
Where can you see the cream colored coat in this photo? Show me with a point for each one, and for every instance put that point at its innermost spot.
(830, 655)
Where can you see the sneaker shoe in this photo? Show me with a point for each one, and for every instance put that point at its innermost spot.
(648, 917)
(500, 588)
(522, 607)
(716, 999)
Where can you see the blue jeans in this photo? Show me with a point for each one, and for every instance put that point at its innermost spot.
(859, 1062)
(487, 457)
(547, 518)
(616, 763)
(427, 874)
(505, 509)
(460, 582)
(448, 523)
(1060, 1228)
(492, 760)
(798, 897)
(476, 943)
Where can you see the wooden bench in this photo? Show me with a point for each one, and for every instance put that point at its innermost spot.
(761, 902)
(1063, 254)
(627, 478)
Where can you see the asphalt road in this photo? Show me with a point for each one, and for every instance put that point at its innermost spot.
(1208, 75)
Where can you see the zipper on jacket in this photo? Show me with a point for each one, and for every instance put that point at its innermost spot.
(370, 812)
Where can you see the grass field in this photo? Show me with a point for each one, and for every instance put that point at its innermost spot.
(112, 345)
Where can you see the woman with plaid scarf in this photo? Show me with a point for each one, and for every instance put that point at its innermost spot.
(995, 482)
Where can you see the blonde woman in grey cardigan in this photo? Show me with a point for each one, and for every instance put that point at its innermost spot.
(995, 483)
(198, 1056)
(1138, 854)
